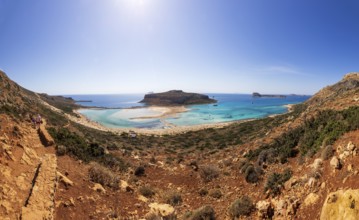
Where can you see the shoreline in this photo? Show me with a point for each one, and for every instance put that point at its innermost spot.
(169, 130)
(164, 112)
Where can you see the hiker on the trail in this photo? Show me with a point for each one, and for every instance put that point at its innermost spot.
(38, 120)
(33, 121)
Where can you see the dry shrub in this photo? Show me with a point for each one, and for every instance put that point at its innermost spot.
(153, 216)
(251, 175)
(146, 191)
(203, 213)
(327, 152)
(172, 197)
(61, 150)
(203, 192)
(241, 207)
(104, 176)
(208, 173)
(140, 171)
(215, 193)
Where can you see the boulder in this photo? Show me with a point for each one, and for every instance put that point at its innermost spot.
(311, 199)
(265, 210)
(317, 164)
(350, 146)
(341, 205)
(290, 183)
(63, 179)
(335, 163)
(125, 187)
(311, 182)
(285, 208)
(45, 137)
(350, 168)
(164, 210)
(280, 207)
(99, 188)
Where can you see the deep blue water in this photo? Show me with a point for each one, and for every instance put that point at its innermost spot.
(230, 107)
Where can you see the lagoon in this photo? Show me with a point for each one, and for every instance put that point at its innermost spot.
(230, 107)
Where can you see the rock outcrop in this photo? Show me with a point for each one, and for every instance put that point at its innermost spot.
(176, 97)
(164, 210)
(45, 137)
(341, 205)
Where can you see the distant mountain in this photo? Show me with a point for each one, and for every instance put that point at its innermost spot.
(176, 97)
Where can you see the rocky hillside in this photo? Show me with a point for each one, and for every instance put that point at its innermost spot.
(299, 165)
(176, 97)
(14, 98)
(338, 96)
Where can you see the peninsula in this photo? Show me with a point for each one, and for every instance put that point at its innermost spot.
(176, 97)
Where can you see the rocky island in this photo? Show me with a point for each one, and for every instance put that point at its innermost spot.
(176, 97)
(258, 95)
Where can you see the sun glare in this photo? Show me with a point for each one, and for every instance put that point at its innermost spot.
(137, 7)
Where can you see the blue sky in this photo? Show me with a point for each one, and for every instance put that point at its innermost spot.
(136, 46)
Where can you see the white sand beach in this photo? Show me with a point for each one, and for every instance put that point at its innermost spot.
(163, 113)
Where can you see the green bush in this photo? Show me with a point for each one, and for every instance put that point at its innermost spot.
(60, 150)
(241, 207)
(78, 147)
(307, 139)
(276, 180)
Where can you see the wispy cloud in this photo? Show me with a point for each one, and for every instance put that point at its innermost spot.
(281, 69)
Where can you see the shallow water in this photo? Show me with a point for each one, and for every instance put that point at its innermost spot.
(230, 107)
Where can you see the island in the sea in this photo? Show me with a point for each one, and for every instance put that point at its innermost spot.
(176, 97)
(258, 95)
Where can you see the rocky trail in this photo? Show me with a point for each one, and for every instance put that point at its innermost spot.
(28, 172)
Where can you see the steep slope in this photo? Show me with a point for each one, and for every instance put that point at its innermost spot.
(338, 96)
(14, 98)
(281, 167)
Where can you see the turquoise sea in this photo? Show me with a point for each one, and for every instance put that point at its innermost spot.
(230, 107)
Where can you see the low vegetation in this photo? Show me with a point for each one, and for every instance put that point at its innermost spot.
(104, 176)
(203, 213)
(241, 207)
(327, 152)
(140, 171)
(276, 181)
(76, 145)
(307, 139)
(172, 197)
(215, 193)
(208, 173)
(146, 191)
